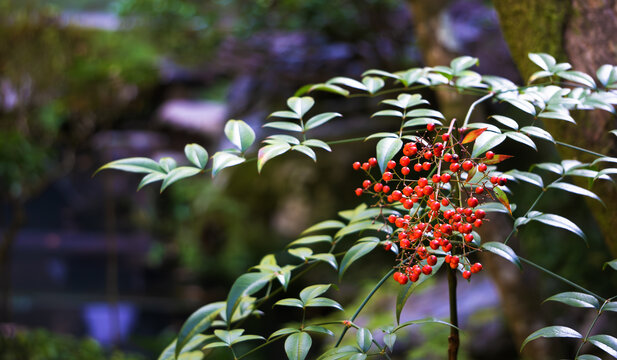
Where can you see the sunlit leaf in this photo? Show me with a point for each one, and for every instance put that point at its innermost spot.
(356, 252)
(575, 190)
(284, 125)
(245, 285)
(320, 119)
(305, 150)
(506, 121)
(313, 291)
(198, 322)
(605, 342)
(324, 225)
(560, 222)
(497, 158)
(521, 138)
(503, 198)
(325, 257)
(485, 142)
(179, 173)
(298, 345)
(290, 302)
(373, 84)
(197, 155)
(300, 105)
(134, 165)
(317, 143)
(307, 240)
(268, 152)
(364, 339)
(537, 132)
(576, 299)
(425, 113)
(545, 61)
(348, 82)
(222, 160)
(502, 250)
(386, 149)
(323, 302)
(552, 332)
(472, 135)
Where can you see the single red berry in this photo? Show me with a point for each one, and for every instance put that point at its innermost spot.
(396, 276)
(387, 246)
(482, 167)
(454, 157)
(427, 190)
(472, 202)
(430, 126)
(396, 196)
(475, 268)
(427, 269)
(467, 228)
(392, 218)
(494, 179)
(479, 190)
(445, 178)
(446, 247)
(468, 237)
(357, 165)
(359, 191)
(426, 166)
(447, 157)
(445, 202)
(407, 190)
(436, 178)
(414, 277)
(365, 166)
(477, 223)
(402, 235)
(405, 244)
(422, 182)
(366, 183)
(480, 214)
(502, 181)
(417, 167)
(445, 137)
(372, 162)
(435, 206)
(467, 165)
(386, 189)
(405, 170)
(431, 260)
(387, 176)
(447, 259)
(404, 161)
(466, 274)
(428, 155)
(408, 204)
(490, 155)
(454, 167)
(378, 187)
(434, 244)
(391, 164)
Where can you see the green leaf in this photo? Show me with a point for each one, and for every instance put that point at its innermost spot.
(557, 116)
(356, 252)
(305, 150)
(179, 173)
(523, 105)
(373, 84)
(323, 302)
(245, 285)
(318, 329)
(134, 165)
(486, 142)
(167, 164)
(389, 112)
(284, 125)
(380, 135)
(298, 345)
(545, 61)
(506, 121)
(300, 105)
(527, 177)
(324, 225)
(503, 198)
(281, 138)
(560, 222)
(378, 72)
(285, 114)
(575, 189)
(348, 82)
(228, 337)
(386, 149)
(215, 345)
(311, 240)
(611, 306)
(169, 353)
(364, 339)
(268, 152)
(290, 302)
(521, 138)
(407, 289)
(425, 113)
(607, 74)
(412, 76)
(389, 340)
(330, 88)
(317, 143)
(605, 342)
(151, 178)
(577, 77)
(196, 154)
(344, 352)
(240, 134)
(198, 322)
(551, 332)
(612, 264)
(301, 252)
(405, 101)
(283, 331)
(587, 357)
(462, 63)
(504, 251)
(329, 258)
(552, 167)
(320, 119)
(576, 299)
(537, 132)
(360, 226)
(422, 321)
(493, 207)
(313, 291)
(423, 121)
(244, 338)
(222, 160)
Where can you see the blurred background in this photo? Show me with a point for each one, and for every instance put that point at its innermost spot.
(91, 269)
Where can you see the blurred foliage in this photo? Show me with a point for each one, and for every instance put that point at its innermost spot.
(59, 84)
(41, 344)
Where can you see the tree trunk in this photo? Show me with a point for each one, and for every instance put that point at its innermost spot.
(582, 33)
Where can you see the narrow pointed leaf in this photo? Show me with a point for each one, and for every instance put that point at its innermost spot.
(506, 121)
(228, 336)
(198, 322)
(179, 173)
(560, 222)
(281, 138)
(323, 302)
(307, 240)
(317, 143)
(348, 82)
(380, 135)
(354, 253)
(423, 121)
(576, 299)
(300, 105)
(134, 165)
(577, 77)
(305, 150)
(197, 155)
(283, 331)
(422, 321)
(575, 190)
(245, 285)
(330, 88)
(545, 61)
(301, 252)
(390, 112)
(360, 226)
(285, 114)
(324, 225)
(373, 84)
(503, 198)
(527, 177)
(320, 119)
(462, 63)
(298, 345)
(502, 250)
(612, 264)
(552, 332)
(537, 132)
(497, 158)
(425, 113)
(284, 125)
(328, 258)
(522, 138)
(222, 160)
(486, 142)
(240, 134)
(313, 291)
(268, 152)
(290, 302)
(386, 149)
(552, 167)
(244, 338)
(151, 178)
(557, 116)
(318, 329)
(472, 135)
(523, 105)
(587, 357)
(364, 339)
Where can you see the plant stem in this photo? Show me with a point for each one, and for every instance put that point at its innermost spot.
(579, 149)
(561, 278)
(453, 339)
(589, 330)
(364, 302)
(480, 100)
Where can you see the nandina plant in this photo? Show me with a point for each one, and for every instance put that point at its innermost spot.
(428, 188)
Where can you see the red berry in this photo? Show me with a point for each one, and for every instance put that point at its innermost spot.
(445, 178)
(436, 178)
(435, 206)
(446, 247)
(407, 190)
(396, 196)
(386, 189)
(387, 176)
(454, 157)
(372, 162)
(445, 137)
(467, 165)
(365, 166)
(477, 223)
(391, 164)
(428, 155)
(417, 167)
(494, 179)
(480, 214)
(430, 126)
(472, 202)
(468, 237)
(434, 244)
(447, 259)
(378, 187)
(466, 274)
(454, 167)
(387, 246)
(477, 267)
(427, 269)
(405, 170)
(490, 155)
(447, 157)
(410, 149)
(427, 190)
(422, 182)
(405, 244)
(426, 166)
(482, 167)
(357, 165)
(359, 191)
(366, 183)
(404, 161)
(467, 228)
(392, 218)
(479, 190)
(408, 204)
(431, 260)
(402, 279)
(445, 202)
(502, 181)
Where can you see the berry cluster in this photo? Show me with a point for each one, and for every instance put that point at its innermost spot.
(440, 187)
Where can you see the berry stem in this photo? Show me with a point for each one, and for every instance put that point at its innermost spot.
(480, 100)
(453, 339)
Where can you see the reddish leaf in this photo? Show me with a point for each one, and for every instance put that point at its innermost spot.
(501, 196)
(496, 159)
(472, 135)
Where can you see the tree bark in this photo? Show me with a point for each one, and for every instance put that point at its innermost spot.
(582, 33)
